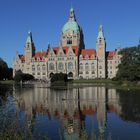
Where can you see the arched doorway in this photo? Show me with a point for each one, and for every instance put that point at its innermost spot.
(70, 75)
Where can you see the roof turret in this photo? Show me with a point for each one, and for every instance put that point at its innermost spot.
(100, 33)
(29, 38)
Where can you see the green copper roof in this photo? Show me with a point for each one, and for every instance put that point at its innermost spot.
(29, 38)
(100, 33)
(70, 25)
(71, 9)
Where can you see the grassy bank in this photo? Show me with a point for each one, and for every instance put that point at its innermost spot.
(108, 83)
(7, 82)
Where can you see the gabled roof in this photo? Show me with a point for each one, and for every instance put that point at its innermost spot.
(22, 58)
(111, 54)
(40, 54)
(66, 48)
(88, 52)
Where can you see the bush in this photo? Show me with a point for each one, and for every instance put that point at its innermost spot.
(59, 77)
(19, 76)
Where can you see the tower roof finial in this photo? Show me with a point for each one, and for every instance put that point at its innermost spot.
(72, 14)
(100, 33)
(29, 38)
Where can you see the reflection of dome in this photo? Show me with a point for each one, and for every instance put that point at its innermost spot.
(70, 25)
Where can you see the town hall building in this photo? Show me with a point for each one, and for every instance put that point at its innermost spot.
(70, 57)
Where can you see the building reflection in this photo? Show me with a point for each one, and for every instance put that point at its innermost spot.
(71, 107)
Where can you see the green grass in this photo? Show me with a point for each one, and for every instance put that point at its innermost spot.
(107, 82)
(93, 81)
(7, 82)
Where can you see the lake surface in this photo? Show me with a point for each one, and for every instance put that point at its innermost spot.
(87, 113)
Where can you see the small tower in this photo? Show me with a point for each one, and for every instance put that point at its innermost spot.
(101, 51)
(29, 48)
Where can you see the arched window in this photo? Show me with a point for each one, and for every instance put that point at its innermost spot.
(70, 65)
(38, 67)
(70, 74)
(43, 67)
(33, 67)
(92, 66)
(86, 66)
(87, 57)
(60, 66)
(81, 66)
(69, 41)
(51, 66)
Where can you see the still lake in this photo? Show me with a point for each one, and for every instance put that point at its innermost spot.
(86, 113)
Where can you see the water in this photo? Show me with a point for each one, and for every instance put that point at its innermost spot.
(87, 113)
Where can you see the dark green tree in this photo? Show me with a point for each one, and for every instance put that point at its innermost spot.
(3, 69)
(19, 76)
(59, 77)
(129, 69)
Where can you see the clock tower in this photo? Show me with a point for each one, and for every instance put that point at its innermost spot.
(101, 49)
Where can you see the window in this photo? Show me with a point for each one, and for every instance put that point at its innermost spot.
(38, 67)
(60, 66)
(70, 65)
(92, 66)
(86, 66)
(69, 41)
(43, 67)
(81, 66)
(33, 67)
(51, 66)
(87, 57)
(93, 72)
(87, 72)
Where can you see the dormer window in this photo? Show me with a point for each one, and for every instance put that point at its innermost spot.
(87, 57)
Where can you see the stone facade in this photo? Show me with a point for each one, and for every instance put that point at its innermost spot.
(70, 56)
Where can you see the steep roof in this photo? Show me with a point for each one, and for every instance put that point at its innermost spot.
(88, 52)
(111, 54)
(22, 58)
(66, 48)
(40, 54)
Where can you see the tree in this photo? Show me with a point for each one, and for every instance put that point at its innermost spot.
(3, 69)
(19, 76)
(59, 77)
(129, 69)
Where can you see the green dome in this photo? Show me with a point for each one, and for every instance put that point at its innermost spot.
(70, 25)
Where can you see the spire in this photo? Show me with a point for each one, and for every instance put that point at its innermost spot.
(29, 38)
(100, 33)
(72, 15)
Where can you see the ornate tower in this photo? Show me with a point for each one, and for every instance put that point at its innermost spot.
(29, 48)
(72, 34)
(101, 51)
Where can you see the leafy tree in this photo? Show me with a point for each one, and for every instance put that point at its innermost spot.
(129, 69)
(59, 77)
(3, 69)
(19, 76)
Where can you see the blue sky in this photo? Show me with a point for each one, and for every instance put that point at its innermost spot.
(45, 19)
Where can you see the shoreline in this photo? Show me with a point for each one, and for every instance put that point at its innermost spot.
(88, 83)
